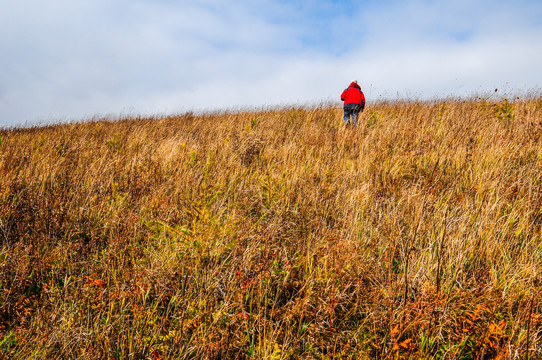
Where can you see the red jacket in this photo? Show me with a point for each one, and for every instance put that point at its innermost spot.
(353, 95)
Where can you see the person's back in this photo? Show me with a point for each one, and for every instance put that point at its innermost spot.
(354, 102)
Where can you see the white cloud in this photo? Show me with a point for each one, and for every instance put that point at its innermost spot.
(71, 60)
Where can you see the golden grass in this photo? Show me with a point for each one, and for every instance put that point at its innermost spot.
(276, 234)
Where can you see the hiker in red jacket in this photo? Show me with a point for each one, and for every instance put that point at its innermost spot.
(354, 102)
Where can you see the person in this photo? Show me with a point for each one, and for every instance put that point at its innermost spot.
(354, 102)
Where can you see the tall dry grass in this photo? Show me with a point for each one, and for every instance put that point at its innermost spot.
(276, 235)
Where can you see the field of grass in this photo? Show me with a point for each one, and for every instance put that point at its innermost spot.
(276, 234)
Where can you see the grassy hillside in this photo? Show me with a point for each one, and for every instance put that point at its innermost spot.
(276, 235)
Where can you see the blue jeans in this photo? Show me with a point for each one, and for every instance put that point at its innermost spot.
(351, 110)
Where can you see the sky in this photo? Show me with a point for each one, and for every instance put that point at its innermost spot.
(72, 60)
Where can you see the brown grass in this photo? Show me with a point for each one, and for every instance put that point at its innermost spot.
(276, 235)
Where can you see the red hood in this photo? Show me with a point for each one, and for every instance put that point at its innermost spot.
(354, 85)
